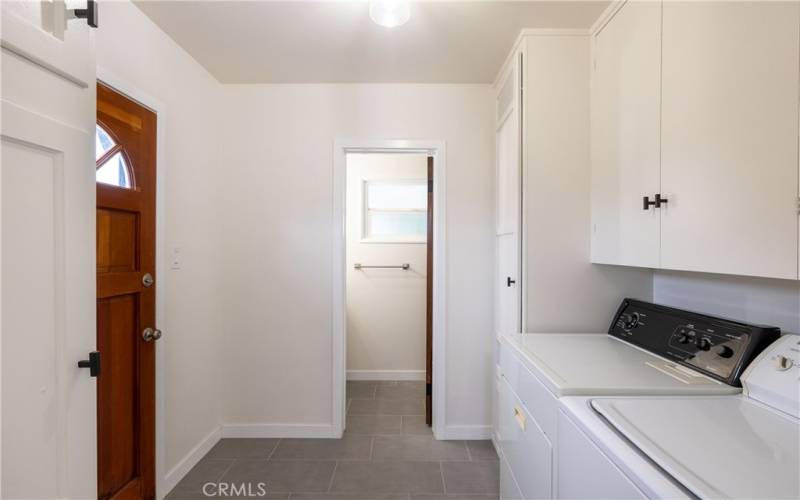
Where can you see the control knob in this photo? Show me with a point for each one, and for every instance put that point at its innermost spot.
(782, 363)
(724, 351)
(703, 344)
(630, 320)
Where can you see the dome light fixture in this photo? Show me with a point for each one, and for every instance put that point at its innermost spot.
(389, 13)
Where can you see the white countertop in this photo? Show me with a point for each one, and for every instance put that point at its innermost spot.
(598, 364)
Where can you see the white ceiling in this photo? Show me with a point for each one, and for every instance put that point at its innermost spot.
(335, 41)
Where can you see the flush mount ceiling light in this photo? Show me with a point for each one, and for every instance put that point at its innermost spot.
(389, 13)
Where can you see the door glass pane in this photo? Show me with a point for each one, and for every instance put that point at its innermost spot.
(102, 142)
(114, 172)
(411, 195)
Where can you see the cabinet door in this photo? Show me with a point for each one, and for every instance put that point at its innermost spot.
(509, 202)
(625, 136)
(730, 129)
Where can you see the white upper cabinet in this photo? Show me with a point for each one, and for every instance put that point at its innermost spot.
(697, 102)
(729, 137)
(625, 136)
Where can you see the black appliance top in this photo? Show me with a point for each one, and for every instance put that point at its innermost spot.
(717, 347)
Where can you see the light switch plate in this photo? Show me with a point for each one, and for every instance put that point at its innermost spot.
(175, 258)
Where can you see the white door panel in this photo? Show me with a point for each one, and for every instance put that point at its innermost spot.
(47, 259)
(730, 129)
(39, 32)
(509, 203)
(509, 293)
(625, 136)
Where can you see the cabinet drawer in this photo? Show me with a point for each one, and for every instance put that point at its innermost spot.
(526, 449)
(539, 401)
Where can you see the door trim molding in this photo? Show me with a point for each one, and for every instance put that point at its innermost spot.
(133, 92)
(436, 149)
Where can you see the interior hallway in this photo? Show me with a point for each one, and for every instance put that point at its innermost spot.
(387, 453)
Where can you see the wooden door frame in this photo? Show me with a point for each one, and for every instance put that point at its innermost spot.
(131, 91)
(433, 148)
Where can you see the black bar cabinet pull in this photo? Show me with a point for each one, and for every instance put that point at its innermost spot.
(93, 363)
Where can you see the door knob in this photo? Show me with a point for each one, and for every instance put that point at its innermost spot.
(150, 334)
(93, 363)
(646, 203)
(510, 282)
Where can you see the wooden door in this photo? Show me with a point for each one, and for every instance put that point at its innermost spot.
(730, 128)
(509, 202)
(47, 221)
(626, 97)
(126, 194)
(429, 302)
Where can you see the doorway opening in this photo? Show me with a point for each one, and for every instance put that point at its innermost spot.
(389, 235)
(388, 292)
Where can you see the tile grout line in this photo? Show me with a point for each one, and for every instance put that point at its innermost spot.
(330, 483)
(371, 448)
(274, 449)
(230, 466)
(444, 483)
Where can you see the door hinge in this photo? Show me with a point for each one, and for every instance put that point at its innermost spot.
(428, 389)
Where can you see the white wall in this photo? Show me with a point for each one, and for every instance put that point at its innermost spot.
(132, 49)
(386, 308)
(565, 292)
(276, 207)
(753, 300)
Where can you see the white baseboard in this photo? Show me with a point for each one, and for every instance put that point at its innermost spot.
(467, 432)
(277, 431)
(174, 476)
(385, 374)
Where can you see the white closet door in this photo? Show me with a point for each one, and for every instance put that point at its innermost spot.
(626, 80)
(47, 250)
(509, 203)
(730, 132)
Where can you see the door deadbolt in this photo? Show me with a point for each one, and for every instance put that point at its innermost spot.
(147, 280)
(150, 334)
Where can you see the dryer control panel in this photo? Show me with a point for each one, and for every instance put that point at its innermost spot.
(718, 347)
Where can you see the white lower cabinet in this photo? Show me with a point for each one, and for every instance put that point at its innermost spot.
(526, 450)
(508, 485)
(583, 472)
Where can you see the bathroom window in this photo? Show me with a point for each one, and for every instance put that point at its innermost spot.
(395, 211)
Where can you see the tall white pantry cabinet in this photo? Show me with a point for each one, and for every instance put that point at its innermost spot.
(695, 121)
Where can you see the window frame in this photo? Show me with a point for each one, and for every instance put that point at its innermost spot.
(365, 212)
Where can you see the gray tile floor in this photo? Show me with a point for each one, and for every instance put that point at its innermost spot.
(386, 453)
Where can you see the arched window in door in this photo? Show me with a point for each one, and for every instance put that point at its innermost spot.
(112, 168)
